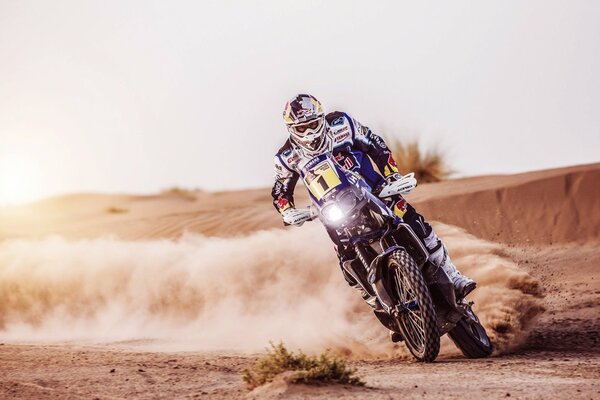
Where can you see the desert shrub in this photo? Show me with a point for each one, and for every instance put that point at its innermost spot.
(428, 166)
(116, 210)
(310, 369)
(187, 194)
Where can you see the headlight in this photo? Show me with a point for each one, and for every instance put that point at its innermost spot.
(343, 205)
(333, 213)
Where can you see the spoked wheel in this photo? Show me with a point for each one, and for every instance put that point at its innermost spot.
(416, 318)
(470, 337)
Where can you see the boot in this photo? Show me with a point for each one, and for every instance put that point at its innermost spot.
(462, 284)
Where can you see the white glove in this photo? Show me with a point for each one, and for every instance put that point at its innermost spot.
(403, 185)
(296, 216)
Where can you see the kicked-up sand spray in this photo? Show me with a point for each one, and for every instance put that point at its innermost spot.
(208, 293)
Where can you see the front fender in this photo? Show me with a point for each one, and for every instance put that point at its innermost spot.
(376, 275)
(405, 236)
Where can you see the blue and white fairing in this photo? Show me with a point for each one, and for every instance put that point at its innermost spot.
(336, 192)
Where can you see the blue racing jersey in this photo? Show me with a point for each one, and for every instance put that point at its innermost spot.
(354, 146)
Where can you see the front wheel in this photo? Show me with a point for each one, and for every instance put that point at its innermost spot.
(416, 317)
(471, 338)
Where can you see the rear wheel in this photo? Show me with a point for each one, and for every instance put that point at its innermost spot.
(471, 338)
(416, 318)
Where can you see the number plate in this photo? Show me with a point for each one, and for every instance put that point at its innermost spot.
(321, 179)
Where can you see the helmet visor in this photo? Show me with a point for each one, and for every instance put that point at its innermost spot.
(306, 128)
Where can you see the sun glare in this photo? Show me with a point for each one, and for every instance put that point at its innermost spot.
(19, 180)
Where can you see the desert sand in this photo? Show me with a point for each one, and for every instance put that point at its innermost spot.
(174, 294)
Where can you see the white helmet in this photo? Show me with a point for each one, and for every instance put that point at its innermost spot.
(305, 121)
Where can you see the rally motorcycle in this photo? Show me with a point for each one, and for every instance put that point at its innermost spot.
(410, 296)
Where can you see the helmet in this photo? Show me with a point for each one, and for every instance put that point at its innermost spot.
(305, 121)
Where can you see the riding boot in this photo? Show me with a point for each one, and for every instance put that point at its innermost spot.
(462, 284)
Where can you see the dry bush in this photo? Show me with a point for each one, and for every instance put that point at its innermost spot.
(187, 194)
(428, 166)
(310, 369)
(116, 210)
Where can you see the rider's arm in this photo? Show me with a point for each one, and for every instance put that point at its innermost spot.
(373, 145)
(283, 189)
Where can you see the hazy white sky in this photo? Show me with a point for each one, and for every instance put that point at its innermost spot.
(138, 96)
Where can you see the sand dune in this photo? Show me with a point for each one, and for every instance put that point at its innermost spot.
(544, 207)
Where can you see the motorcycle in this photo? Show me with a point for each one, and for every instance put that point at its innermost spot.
(410, 296)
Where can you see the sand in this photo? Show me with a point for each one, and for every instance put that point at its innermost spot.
(135, 284)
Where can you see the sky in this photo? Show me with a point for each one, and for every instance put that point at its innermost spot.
(139, 96)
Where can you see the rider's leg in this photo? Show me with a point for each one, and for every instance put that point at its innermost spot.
(438, 253)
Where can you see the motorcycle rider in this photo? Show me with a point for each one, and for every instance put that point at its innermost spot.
(356, 148)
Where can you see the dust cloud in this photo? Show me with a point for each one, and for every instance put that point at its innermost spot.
(207, 293)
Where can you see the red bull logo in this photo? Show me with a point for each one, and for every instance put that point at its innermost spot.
(283, 204)
(400, 208)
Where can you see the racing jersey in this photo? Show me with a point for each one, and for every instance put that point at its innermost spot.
(354, 146)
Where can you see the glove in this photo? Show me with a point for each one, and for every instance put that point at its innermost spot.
(392, 178)
(403, 185)
(296, 216)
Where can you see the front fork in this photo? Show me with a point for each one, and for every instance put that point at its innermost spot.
(375, 283)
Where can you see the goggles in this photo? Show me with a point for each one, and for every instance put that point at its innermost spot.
(306, 128)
